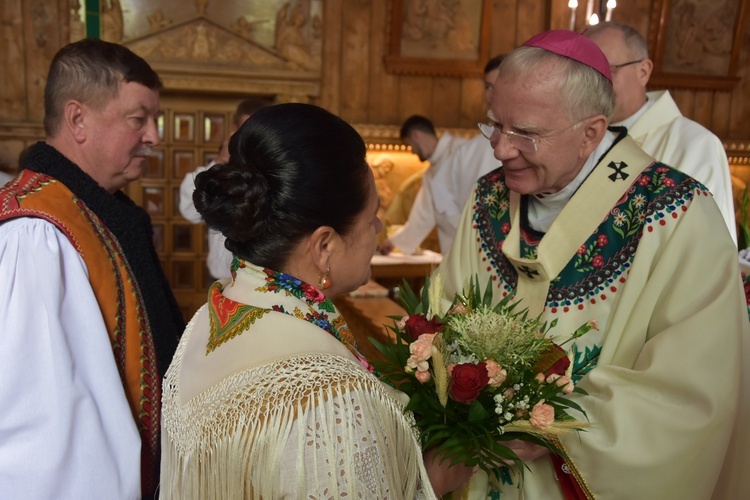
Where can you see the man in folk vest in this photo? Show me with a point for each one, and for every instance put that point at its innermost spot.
(88, 321)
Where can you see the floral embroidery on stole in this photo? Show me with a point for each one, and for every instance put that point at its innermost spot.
(229, 319)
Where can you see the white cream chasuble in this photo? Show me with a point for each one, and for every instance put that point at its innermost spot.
(643, 250)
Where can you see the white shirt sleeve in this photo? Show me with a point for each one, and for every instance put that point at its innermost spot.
(66, 430)
(187, 209)
(421, 221)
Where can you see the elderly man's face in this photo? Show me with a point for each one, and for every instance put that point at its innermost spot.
(119, 137)
(533, 107)
(630, 73)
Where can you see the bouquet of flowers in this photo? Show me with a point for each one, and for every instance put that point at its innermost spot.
(479, 375)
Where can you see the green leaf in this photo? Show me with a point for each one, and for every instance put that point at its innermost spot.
(477, 412)
(408, 298)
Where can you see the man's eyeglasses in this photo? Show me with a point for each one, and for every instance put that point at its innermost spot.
(521, 142)
(615, 67)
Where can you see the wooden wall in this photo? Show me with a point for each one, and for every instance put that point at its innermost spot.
(354, 81)
(356, 85)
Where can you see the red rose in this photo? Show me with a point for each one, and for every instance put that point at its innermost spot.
(554, 361)
(417, 324)
(467, 381)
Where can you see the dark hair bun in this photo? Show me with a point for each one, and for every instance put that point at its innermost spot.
(292, 169)
(234, 201)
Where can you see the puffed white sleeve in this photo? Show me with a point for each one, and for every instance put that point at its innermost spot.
(66, 429)
(187, 208)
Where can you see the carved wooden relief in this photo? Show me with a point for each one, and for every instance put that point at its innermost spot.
(445, 37)
(274, 42)
(697, 43)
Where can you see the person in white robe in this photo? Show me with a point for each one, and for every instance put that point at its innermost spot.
(655, 122)
(447, 186)
(580, 224)
(219, 258)
(268, 395)
(419, 133)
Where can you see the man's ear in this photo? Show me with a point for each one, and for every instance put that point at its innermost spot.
(322, 242)
(74, 119)
(645, 68)
(593, 133)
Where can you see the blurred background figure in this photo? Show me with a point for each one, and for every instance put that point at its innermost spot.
(219, 258)
(654, 120)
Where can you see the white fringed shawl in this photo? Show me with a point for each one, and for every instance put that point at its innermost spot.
(304, 426)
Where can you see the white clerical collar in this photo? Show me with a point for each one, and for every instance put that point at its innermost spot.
(629, 122)
(544, 209)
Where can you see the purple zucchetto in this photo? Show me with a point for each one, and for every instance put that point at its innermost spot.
(574, 46)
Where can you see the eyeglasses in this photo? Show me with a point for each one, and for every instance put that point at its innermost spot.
(521, 142)
(615, 67)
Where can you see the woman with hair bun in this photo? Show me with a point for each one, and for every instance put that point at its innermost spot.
(268, 395)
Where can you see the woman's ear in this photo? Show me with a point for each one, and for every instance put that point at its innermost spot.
(322, 242)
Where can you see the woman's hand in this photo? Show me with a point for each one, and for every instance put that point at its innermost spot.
(444, 477)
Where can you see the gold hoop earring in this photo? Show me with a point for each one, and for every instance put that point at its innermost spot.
(324, 281)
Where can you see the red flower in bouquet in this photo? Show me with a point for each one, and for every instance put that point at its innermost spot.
(479, 375)
(559, 359)
(467, 381)
(417, 324)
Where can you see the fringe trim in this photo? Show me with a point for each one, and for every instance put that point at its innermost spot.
(238, 439)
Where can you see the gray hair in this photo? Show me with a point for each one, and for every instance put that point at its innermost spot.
(91, 71)
(584, 90)
(633, 39)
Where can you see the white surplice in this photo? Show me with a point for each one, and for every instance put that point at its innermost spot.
(427, 211)
(662, 132)
(66, 429)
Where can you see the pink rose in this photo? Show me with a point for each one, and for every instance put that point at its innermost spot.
(423, 376)
(562, 381)
(421, 351)
(496, 373)
(467, 381)
(542, 415)
(401, 324)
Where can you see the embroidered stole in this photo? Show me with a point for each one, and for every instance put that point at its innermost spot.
(580, 217)
(292, 296)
